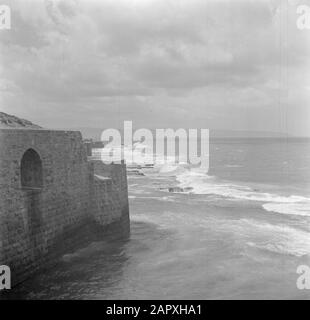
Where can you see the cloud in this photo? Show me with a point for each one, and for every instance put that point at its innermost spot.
(193, 60)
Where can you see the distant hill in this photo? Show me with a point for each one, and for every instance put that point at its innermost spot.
(8, 121)
(245, 134)
(95, 133)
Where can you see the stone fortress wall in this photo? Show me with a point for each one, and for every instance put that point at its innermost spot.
(51, 193)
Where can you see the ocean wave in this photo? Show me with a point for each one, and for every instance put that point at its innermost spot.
(169, 199)
(298, 208)
(281, 239)
(197, 182)
(172, 170)
(298, 249)
(137, 154)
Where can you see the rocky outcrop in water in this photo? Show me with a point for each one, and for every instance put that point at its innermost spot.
(178, 189)
(134, 172)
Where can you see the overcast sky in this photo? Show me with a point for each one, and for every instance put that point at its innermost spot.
(239, 65)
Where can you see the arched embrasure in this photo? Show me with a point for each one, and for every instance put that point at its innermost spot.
(31, 170)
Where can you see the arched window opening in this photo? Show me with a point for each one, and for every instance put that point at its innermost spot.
(31, 170)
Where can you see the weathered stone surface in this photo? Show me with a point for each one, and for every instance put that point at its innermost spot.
(73, 193)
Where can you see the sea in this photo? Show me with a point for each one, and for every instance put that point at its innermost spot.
(238, 230)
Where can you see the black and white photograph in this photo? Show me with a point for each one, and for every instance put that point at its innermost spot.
(154, 150)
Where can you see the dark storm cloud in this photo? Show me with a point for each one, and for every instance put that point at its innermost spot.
(182, 58)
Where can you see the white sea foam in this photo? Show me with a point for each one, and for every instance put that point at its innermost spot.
(280, 239)
(196, 181)
(172, 169)
(169, 199)
(200, 183)
(299, 208)
(139, 154)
